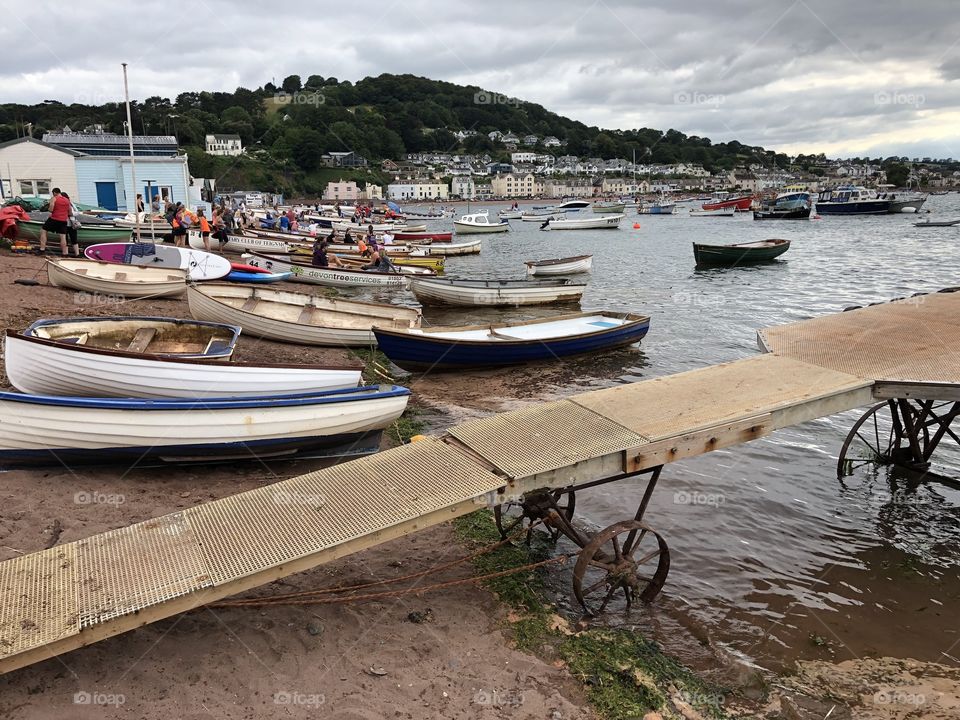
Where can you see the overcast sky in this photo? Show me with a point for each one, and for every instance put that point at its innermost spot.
(845, 78)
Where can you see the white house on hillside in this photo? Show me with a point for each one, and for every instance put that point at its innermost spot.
(224, 145)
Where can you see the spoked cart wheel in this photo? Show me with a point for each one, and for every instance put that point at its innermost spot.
(554, 507)
(892, 432)
(627, 556)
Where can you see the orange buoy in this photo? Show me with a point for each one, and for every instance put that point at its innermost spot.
(636, 226)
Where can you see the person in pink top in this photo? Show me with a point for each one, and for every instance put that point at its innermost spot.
(59, 208)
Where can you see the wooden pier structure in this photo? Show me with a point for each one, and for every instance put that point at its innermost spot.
(903, 355)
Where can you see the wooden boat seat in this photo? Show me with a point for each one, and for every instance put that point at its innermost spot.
(306, 315)
(141, 340)
(250, 304)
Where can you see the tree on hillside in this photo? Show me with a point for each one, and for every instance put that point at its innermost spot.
(291, 84)
(897, 173)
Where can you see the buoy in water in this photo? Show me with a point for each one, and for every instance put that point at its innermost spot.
(636, 226)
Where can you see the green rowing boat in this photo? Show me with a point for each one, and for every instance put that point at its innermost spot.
(740, 253)
(86, 235)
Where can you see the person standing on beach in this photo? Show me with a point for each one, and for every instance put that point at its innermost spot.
(204, 229)
(59, 207)
(73, 227)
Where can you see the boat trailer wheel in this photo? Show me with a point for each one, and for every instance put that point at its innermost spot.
(628, 556)
(554, 507)
(892, 432)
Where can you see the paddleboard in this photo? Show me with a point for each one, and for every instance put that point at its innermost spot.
(260, 276)
(241, 267)
(199, 265)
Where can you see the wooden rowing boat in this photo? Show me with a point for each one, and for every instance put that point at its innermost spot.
(304, 272)
(495, 293)
(600, 222)
(296, 317)
(125, 280)
(739, 253)
(471, 247)
(560, 266)
(457, 348)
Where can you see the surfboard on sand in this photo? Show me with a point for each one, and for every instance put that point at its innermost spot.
(199, 265)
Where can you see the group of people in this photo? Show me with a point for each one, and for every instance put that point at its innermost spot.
(368, 247)
(64, 221)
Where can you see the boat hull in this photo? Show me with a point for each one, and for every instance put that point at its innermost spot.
(794, 214)
(862, 207)
(329, 276)
(604, 222)
(731, 255)
(465, 248)
(571, 267)
(86, 234)
(43, 367)
(175, 285)
(742, 203)
(418, 352)
(430, 292)
(54, 430)
(472, 229)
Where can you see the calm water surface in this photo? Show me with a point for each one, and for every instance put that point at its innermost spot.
(784, 561)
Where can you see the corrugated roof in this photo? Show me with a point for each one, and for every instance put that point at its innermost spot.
(106, 139)
(8, 143)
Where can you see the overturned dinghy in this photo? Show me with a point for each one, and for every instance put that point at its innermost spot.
(43, 430)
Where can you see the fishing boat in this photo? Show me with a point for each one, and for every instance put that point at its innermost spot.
(471, 247)
(725, 201)
(421, 236)
(601, 222)
(660, 207)
(851, 200)
(86, 234)
(739, 253)
(128, 281)
(609, 207)
(479, 223)
(936, 223)
(560, 266)
(161, 337)
(42, 430)
(304, 272)
(48, 367)
(722, 212)
(786, 206)
(495, 293)
(481, 346)
(294, 317)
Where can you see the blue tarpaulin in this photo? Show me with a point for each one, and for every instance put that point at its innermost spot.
(393, 206)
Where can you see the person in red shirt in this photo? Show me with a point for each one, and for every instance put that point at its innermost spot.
(204, 229)
(59, 207)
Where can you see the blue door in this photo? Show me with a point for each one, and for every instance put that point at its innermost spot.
(107, 195)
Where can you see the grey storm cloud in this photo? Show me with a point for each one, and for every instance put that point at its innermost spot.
(785, 73)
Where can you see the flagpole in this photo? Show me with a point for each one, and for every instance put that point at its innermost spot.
(133, 163)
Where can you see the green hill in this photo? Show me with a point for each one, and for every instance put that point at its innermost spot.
(288, 129)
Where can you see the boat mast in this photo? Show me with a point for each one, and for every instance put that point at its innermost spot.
(133, 163)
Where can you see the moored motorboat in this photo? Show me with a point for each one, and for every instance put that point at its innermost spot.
(47, 367)
(296, 317)
(587, 222)
(455, 348)
(560, 266)
(739, 253)
(166, 337)
(786, 206)
(726, 201)
(851, 200)
(479, 223)
(602, 208)
(40, 429)
(129, 281)
(495, 293)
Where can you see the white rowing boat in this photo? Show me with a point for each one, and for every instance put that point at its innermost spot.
(304, 272)
(560, 266)
(125, 280)
(440, 291)
(45, 367)
(471, 247)
(296, 317)
(719, 212)
(37, 429)
(588, 222)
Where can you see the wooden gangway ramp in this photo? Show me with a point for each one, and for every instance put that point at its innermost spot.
(78, 593)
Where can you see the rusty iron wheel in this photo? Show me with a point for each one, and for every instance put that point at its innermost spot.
(879, 438)
(629, 556)
(536, 507)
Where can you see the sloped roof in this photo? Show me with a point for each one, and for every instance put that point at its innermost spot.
(17, 141)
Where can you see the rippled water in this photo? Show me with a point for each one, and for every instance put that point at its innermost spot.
(777, 560)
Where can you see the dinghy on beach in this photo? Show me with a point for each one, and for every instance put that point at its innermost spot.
(495, 293)
(129, 281)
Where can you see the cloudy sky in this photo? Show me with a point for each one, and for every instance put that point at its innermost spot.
(845, 78)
